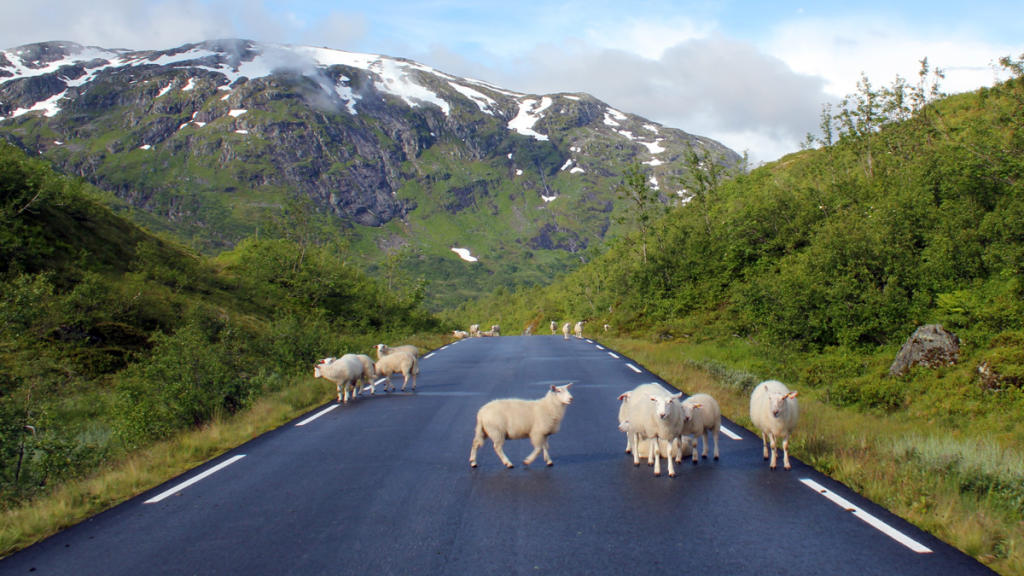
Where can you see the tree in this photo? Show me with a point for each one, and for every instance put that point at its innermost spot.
(643, 203)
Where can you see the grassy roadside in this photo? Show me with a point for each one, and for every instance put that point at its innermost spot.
(956, 483)
(119, 480)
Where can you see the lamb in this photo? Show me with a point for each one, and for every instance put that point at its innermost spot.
(384, 350)
(701, 414)
(398, 361)
(578, 330)
(774, 411)
(344, 372)
(514, 418)
(565, 331)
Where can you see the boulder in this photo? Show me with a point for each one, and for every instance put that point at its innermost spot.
(931, 346)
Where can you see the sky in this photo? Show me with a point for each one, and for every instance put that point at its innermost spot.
(753, 75)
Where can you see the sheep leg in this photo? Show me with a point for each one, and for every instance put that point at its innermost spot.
(714, 433)
(547, 456)
(636, 453)
(405, 380)
(704, 452)
(774, 461)
(498, 443)
(764, 445)
(629, 444)
(414, 374)
(785, 453)
(654, 454)
(693, 453)
(671, 466)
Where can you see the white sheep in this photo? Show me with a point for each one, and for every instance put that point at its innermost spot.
(514, 418)
(398, 361)
(368, 375)
(344, 372)
(565, 331)
(774, 411)
(383, 350)
(554, 327)
(496, 330)
(460, 334)
(607, 327)
(578, 329)
(651, 413)
(701, 414)
(474, 330)
(626, 409)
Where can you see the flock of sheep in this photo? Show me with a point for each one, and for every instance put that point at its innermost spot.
(348, 371)
(657, 423)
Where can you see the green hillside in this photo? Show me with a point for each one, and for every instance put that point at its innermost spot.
(112, 338)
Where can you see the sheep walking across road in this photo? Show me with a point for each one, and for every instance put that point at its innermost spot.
(345, 372)
(702, 415)
(774, 411)
(514, 418)
(398, 361)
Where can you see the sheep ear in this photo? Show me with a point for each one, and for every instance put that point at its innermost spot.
(677, 395)
(792, 395)
(568, 385)
(623, 396)
(554, 388)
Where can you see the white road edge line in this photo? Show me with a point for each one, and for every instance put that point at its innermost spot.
(188, 483)
(317, 415)
(429, 355)
(871, 520)
(730, 433)
(612, 354)
(599, 347)
(634, 368)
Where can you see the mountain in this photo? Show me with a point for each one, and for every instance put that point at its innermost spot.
(206, 140)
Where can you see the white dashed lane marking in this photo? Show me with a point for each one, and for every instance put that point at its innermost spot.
(634, 368)
(188, 483)
(317, 415)
(871, 520)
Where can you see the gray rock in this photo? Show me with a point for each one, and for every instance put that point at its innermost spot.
(931, 346)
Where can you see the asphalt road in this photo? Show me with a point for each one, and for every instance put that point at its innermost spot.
(384, 486)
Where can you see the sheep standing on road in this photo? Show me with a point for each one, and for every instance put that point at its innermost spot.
(774, 411)
(554, 327)
(514, 418)
(474, 330)
(578, 329)
(628, 407)
(345, 372)
(701, 414)
(398, 361)
(668, 426)
(565, 331)
(383, 350)
(367, 376)
(649, 412)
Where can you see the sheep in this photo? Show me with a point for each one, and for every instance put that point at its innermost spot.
(398, 361)
(344, 372)
(383, 350)
(565, 331)
(474, 330)
(774, 411)
(496, 330)
(578, 330)
(514, 418)
(626, 409)
(661, 418)
(369, 373)
(554, 327)
(702, 414)
(460, 334)
(607, 327)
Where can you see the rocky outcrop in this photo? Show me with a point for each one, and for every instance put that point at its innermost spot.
(930, 346)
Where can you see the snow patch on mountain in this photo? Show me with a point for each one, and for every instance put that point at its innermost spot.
(530, 111)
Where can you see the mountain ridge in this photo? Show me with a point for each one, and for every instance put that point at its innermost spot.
(207, 137)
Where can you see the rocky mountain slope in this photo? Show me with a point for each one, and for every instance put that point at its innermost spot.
(205, 139)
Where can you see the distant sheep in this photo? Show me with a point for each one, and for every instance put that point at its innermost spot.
(398, 361)
(578, 329)
(606, 327)
(701, 415)
(554, 327)
(565, 331)
(460, 334)
(383, 350)
(514, 418)
(474, 330)
(774, 411)
(345, 372)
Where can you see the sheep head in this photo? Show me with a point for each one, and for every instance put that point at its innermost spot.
(562, 393)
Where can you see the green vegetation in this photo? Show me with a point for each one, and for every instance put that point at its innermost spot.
(113, 340)
(907, 209)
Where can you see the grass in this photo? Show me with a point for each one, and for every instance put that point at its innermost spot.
(957, 483)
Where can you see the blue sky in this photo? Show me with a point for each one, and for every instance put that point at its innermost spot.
(753, 75)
